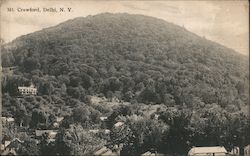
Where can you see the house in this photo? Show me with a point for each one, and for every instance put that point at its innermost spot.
(9, 152)
(5, 144)
(100, 151)
(56, 125)
(58, 121)
(148, 153)
(118, 124)
(95, 131)
(10, 119)
(7, 120)
(208, 151)
(106, 131)
(51, 140)
(103, 118)
(235, 151)
(51, 133)
(104, 151)
(247, 150)
(31, 90)
(12, 146)
(109, 153)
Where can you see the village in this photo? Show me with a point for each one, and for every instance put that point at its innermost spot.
(10, 146)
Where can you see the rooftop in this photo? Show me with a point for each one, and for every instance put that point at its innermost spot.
(199, 150)
(118, 124)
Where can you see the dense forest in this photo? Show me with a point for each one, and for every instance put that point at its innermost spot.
(201, 87)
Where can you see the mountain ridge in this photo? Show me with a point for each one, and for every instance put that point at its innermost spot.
(79, 19)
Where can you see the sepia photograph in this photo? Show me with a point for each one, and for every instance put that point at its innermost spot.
(124, 77)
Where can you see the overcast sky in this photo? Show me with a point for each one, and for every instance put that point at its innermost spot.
(225, 22)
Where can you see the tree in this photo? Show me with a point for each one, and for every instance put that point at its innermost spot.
(77, 141)
(81, 115)
(149, 95)
(29, 147)
(177, 140)
(123, 136)
(148, 134)
(30, 64)
(39, 118)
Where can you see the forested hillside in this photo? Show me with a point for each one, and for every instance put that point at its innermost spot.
(201, 86)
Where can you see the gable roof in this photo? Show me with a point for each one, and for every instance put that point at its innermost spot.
(101, 151)
(146, 153)
(108, 153)
(200, 150)
(15, 143)
(59, 119)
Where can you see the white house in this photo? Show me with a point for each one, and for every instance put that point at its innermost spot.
(103, 118)
(59, 119)
(247, 150)
(235, 151)
(31, 90)
(208, 151)
(7, 120)
(95, 131)
(106, 131)
(10, 119)
(118, 124)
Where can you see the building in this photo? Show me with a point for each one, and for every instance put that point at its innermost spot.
(247, 150)
(31, 90)
(58, 121)
(104, 151)
(106, 131)
(95, 131)
(10, 119)
(103, 118)
(208, 151)
(5, 144)
(11, 147)
(51, 133)
(118, 124)
(148, 153)
(235, 151)
(9, 152)
(7, 120)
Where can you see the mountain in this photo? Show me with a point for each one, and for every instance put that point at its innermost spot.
(134, 47)
(202, 86)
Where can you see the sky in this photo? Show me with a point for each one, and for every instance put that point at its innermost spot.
(225, 22)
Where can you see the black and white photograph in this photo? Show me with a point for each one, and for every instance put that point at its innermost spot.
(124, 77)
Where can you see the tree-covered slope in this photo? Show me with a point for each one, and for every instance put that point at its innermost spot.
(145, 58)
(200, 87)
